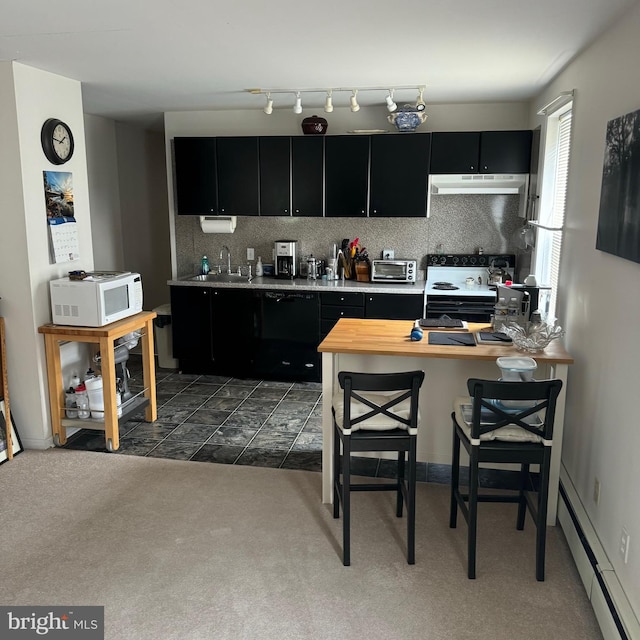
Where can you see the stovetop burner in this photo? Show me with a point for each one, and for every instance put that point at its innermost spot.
(444, 286)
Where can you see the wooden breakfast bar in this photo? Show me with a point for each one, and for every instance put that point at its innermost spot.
(384, 345)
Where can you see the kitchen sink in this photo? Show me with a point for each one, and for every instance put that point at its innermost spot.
(221, 277)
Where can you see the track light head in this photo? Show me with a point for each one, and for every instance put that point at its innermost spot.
(328, 105)
(268, 109)
(391, 105)
(297, 107)
(354, 101)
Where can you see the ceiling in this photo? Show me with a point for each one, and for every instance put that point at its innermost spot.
(139, 59)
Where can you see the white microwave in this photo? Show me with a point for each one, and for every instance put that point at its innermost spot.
(99, 298)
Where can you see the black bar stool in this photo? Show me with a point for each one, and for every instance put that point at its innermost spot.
(376, 412)
(510, 422)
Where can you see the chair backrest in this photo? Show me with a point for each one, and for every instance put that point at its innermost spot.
(529, 405)
(379, 384)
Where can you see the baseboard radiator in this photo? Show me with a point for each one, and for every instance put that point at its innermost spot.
(615, 616)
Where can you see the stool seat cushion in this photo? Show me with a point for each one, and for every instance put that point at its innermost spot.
(505, 434)
(378, 422)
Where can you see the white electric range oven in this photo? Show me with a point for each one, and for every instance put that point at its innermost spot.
(457, 285)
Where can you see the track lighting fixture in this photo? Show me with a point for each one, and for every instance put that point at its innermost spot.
(328, 105)
(353, 98)
(297, 107)
(391, 105)
(354, 101)
(269, 106)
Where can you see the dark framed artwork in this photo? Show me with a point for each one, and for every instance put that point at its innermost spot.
(619, 217)
(16, 445)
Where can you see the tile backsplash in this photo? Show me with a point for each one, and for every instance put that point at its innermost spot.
(461, 223)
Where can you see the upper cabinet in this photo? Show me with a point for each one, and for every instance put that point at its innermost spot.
(275, 175)
(505, 151)
(238, 170)
(399, 173)
(346, 176)
(481, 152)
(195, 170)
(307, 175)
(334, 176)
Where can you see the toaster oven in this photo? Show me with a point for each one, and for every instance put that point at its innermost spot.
(394, 271)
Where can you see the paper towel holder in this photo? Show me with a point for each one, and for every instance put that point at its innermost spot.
(218, 224)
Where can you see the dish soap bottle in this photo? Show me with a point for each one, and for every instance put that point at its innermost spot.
(204, 265)
(259, 270)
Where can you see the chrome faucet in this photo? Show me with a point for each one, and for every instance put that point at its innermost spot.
(228, 257)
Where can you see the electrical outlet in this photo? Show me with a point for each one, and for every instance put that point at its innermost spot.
(250, 254)
(596, 490)
(388, 254)
(625, 539)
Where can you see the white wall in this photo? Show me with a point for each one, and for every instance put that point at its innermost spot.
(104, 190)
(24, 246)
(599, 305)
(143, 202)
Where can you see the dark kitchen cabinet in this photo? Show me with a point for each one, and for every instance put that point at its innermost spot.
(307, 175)
(480, 152)
(455, 152)
(505, 151)
(275, 175)
(399, 172)
(191, 327)
(195, 176)
(238, 175)
(346, 176)
(213, 330)
(334, 305)
(394, 306)
(233, 332)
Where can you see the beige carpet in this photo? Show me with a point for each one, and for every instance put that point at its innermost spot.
(190, 550)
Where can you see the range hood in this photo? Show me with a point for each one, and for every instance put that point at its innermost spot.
(479, 183)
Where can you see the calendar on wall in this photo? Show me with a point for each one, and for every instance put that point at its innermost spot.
(63, 240)
(63, 229)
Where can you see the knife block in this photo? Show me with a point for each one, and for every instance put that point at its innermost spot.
(362, 272)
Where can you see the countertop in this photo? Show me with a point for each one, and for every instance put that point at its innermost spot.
(391, 338)
(302, 284)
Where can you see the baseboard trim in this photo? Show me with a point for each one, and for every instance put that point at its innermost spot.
(614, 613)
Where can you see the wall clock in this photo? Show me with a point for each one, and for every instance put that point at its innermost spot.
(57, 141)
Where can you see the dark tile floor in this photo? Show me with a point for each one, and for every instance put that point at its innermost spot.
(222, 419)
(251, 422)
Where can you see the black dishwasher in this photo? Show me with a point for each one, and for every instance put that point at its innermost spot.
(288, 327)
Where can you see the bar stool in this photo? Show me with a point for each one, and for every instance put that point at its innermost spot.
(376, 412)
(510, 422)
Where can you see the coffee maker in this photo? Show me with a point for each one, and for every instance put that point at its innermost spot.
(286, 255)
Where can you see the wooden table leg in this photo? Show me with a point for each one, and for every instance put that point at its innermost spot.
(108, 367)
(149, 372)
(328, 377)
(4, 390)
(56, 389)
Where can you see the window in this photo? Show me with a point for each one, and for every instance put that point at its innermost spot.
(550, 222)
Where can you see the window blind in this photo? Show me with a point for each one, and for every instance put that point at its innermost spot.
(549, 240)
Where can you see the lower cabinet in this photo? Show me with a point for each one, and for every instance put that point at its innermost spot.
(394, 306)
(214, 330)
(339, 305)
(271, 334)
